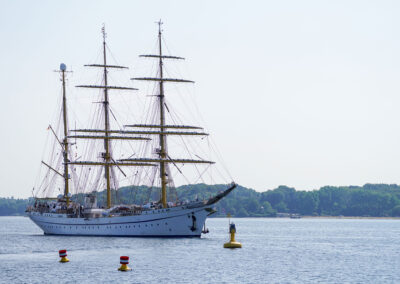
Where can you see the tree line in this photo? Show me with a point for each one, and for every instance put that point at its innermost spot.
(370, 200)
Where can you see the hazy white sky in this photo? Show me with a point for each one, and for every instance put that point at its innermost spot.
(300, 93)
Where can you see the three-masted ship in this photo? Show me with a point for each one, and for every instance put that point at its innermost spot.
(165, 216)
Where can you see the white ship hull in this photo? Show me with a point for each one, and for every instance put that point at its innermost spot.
(170, 222)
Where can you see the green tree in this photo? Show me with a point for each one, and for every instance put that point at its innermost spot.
(396, 211)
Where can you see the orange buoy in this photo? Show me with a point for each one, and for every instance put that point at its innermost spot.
(63, 255)
(124, 261)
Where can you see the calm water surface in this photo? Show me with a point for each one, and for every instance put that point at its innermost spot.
(274, 251)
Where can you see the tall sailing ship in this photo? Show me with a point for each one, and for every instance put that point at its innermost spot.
(76, 212)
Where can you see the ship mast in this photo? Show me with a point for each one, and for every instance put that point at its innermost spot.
(106, 124)
(63, 68)
(164, 160)
(162, 137)
(108, 160)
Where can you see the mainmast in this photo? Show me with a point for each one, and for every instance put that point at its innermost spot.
(162, 137)
(107, 156)
(63, 68)
(108, 160)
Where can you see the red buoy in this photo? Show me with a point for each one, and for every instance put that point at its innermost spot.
(63, 255)
(124, 261)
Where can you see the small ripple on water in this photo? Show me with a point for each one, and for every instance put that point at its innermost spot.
(274, 251)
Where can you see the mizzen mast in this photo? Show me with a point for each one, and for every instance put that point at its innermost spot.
(63, 69)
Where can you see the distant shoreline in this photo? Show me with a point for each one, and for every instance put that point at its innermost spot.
(327, 202)
(302, 217)
(349, 217)
(315, 217)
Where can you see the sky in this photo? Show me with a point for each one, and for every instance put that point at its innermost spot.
(296, 93)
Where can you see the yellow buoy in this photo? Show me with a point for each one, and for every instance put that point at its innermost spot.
(124, 260)
(63, 255)
(232, 243)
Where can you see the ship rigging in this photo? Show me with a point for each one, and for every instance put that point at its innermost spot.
(165, 216)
